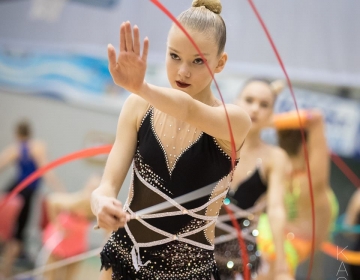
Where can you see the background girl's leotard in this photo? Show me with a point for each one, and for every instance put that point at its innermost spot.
(244, 204)
(25, 166)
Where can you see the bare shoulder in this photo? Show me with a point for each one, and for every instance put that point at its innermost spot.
(135, 101)
(37, 146)
(135, 107)
(277, 156)
(278, 152)
(240, 121)
(237, 112)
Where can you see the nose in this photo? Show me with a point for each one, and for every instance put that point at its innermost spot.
(184, 71)
(254, 107)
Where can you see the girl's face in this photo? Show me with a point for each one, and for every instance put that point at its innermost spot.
(186, 70)
(258, 101)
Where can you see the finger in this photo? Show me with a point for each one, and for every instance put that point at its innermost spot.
(136, 40)
(119, 222)
(124, 218)
(128, 37)
(122, 37)
(146, 49)
(114, 212)
(111, 57)
(109, 222)
(117, 203)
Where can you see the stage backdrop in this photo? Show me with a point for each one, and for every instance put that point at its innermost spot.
(318, 40)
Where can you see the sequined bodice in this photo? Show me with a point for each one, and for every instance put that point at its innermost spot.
(168, 167)
(174, 160)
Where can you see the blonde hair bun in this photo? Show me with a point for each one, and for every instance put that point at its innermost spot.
(277, 86)
(212, 5)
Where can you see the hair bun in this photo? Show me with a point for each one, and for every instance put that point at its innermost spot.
(277, 86)
(212, 5)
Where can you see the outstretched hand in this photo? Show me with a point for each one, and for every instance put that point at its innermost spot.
(128, 70)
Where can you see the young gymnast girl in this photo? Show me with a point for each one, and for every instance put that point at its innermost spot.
(65, 235)
(298, 229)
(27, 154)
(179, 142)
(258, 184)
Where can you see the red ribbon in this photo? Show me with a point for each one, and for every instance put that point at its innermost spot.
(346, 170)
(271, 41)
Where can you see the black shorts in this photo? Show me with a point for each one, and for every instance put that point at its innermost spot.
(27, 194)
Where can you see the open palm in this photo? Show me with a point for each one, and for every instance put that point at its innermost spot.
(128, 70)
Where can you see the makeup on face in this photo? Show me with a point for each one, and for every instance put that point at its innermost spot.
(182, 85)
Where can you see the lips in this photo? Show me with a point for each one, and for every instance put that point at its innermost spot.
(182, 85)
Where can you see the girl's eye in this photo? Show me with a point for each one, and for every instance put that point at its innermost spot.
(199, 61)
(248, 100)
(174, 56)
(264, 105)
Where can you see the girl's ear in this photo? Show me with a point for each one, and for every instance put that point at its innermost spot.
(221, 63)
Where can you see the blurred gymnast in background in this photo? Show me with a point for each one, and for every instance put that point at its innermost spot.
(298, 230)
(258, 183)
(27, 155)
(65, 235)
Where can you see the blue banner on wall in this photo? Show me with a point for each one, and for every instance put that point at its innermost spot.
(85, 80)
(70, 77)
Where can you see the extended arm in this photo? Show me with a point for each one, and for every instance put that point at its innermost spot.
(128, 71)
(8, 156)
(353, 209)
(104, 204)
(41, 158)
(313, 122)
(278, 176)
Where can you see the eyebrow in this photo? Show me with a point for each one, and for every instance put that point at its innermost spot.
(174, 50)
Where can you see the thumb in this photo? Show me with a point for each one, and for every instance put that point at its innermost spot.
(111, 57)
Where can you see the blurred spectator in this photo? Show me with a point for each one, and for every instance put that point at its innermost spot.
(27, 155)
(65, 235)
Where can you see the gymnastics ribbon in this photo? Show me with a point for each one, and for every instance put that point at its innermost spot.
(41, 171)
(346, 170)
(271, 41)
(232, 140)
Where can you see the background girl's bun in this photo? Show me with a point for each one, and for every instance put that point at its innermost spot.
(212, 5)
(277, 86)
